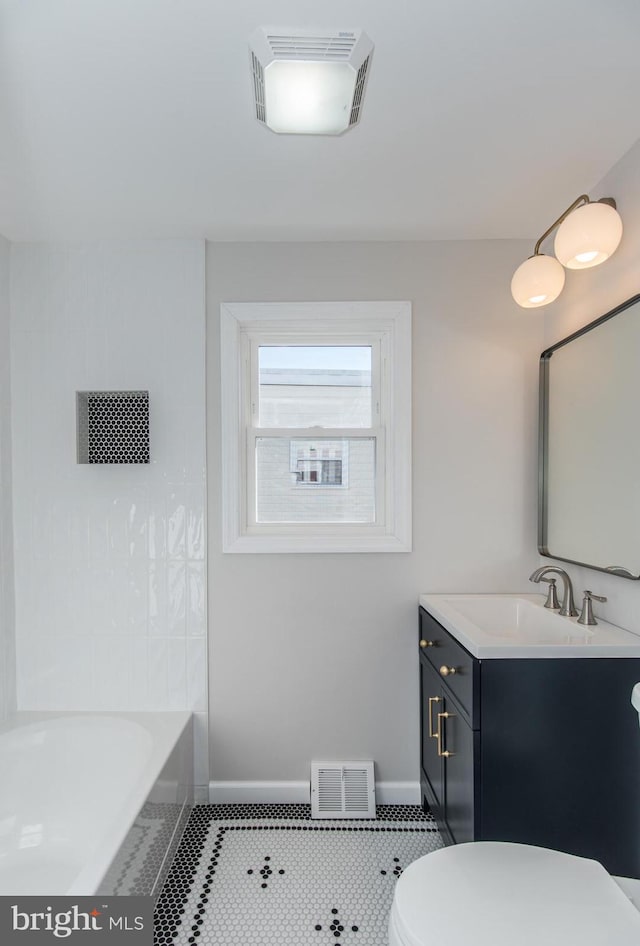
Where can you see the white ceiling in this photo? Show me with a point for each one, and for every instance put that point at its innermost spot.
(482, 119)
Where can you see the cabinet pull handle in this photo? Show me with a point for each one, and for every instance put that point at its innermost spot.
(444, 754)
(446, 671)
(424, 643)
(432, 699)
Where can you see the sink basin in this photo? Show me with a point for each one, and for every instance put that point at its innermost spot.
(515, 618)
(507, 625)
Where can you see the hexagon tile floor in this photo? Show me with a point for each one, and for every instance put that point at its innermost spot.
(269, 875)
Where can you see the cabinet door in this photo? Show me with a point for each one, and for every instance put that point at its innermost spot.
(431, 703)
(457, 742)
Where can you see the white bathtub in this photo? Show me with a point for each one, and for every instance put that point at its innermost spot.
(80, 796)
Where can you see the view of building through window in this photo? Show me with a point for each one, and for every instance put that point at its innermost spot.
(315, 386)
(315, 479)
(285, 494)
(321, 462)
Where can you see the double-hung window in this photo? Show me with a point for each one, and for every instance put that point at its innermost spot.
(316, 405)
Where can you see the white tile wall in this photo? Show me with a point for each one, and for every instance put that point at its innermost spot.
(110, 560)
(7, 638)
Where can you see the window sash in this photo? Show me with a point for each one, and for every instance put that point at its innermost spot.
(253, 341)
(381, 489)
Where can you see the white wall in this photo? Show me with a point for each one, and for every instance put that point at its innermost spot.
(315, 656)
(110, 560)
(587, 295)
(7, 637)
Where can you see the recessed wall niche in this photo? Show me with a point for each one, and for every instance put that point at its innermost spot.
(113, 426)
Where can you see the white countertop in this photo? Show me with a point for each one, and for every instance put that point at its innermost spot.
(561, 637)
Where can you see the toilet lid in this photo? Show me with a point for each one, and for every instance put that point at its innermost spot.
(491, 893)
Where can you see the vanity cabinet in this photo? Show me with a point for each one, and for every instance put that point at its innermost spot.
(542, 751)
(450, 772)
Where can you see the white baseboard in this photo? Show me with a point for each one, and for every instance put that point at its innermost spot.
(259, 793)
(263, 793)
(398, 793)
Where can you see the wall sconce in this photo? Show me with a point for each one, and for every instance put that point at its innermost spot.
(589, 232)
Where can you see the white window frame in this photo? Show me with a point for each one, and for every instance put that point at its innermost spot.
(385, 325)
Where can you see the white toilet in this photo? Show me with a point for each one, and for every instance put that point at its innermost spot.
(493, 893)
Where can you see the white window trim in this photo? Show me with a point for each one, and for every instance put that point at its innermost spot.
(346, 322)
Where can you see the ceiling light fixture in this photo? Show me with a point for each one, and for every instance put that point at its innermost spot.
(309, 82)
(589, 232)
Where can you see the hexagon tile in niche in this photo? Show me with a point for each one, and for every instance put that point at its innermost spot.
(269, 875)
(113, 426)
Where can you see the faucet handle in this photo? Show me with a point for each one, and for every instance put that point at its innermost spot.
(552, 597)
(586, 616)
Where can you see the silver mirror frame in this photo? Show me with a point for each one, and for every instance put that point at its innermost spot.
(543, 443)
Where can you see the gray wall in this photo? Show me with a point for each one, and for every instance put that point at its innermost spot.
(7, 635)
(315, 656)
(587, 295)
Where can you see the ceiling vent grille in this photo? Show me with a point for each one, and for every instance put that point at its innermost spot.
(359, 92)
(338, 47)
(258, 86)
(342, 790)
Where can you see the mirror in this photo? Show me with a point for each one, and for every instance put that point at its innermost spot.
(589, 476)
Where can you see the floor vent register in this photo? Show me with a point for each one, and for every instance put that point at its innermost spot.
(343, 790)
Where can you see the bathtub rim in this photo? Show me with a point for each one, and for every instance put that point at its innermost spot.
(167, 728)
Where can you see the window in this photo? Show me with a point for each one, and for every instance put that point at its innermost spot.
(316, 426)
(319, 463)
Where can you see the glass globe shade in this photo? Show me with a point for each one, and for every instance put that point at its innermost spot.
(312, 98)
(588, 236)
(537, 281)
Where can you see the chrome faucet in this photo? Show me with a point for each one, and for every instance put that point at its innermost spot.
(567, 608)
(586, 615)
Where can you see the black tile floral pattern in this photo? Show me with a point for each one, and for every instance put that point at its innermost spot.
(269, 875)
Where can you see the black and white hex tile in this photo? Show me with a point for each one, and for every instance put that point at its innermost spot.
(269, 875)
